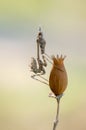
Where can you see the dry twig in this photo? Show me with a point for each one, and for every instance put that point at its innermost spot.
(57, 114)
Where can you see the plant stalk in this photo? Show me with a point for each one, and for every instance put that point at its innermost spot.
(57, 114)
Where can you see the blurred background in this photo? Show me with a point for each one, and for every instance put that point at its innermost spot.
(24, 102)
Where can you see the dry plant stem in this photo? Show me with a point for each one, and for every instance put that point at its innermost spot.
(57, 115)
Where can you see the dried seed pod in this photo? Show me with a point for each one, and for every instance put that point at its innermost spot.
(58, 76)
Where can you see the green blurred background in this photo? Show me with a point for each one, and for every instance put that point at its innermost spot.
(24, 103)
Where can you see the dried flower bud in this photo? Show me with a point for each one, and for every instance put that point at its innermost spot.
(58, 76)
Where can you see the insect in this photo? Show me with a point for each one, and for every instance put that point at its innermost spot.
(38, 65)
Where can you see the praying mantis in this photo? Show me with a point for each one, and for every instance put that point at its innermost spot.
(39, 64)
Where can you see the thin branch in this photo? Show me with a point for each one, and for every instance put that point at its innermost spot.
(57, 114)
